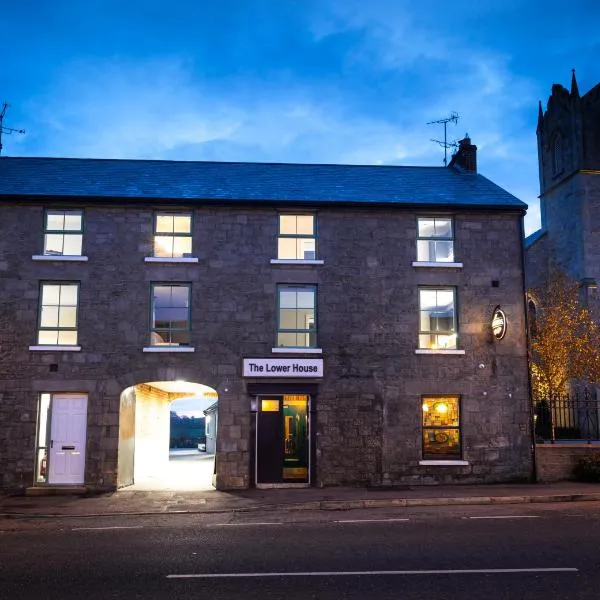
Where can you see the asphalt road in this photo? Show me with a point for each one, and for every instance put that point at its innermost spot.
(493, 553)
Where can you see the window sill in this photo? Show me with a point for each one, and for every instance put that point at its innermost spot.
(55, 348)
(169, 349)
(443, 265)
(429, 351)
(59, 258)
(444, 463)
(297, 350)
(300, 261)
(166, 259)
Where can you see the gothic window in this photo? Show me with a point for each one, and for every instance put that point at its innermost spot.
(532, 318)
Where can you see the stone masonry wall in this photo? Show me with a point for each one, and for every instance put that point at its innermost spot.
(368, 407)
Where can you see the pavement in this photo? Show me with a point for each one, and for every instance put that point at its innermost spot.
(128, 502)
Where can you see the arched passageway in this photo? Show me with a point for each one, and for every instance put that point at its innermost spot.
(162, 436)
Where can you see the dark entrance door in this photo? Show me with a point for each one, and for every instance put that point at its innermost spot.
(282, 439)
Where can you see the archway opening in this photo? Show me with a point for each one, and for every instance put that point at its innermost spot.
(162, 437)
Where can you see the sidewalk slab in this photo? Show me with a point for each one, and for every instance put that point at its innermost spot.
(331, 499)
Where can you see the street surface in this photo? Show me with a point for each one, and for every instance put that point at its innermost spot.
(532, 551)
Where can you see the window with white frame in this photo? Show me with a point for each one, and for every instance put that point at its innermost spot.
(58, 314)
(297, 239)
(441, 427)
(63, 232)
(172, 235)
(170, 314)
(435, 239)
(296, 317)
(437, 318)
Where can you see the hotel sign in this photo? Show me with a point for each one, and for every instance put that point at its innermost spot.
(283, 367)
(499, 323)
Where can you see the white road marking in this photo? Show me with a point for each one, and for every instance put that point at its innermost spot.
(507, 517)
(350, 573)
(370, 520)
(107, 528)
(239, 524)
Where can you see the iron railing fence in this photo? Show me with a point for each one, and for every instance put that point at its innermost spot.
(573, 417)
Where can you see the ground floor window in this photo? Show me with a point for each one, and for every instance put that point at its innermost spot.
(441, 427)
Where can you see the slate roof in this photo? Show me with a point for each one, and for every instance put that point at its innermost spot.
(221, 182)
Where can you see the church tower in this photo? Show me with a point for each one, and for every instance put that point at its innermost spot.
(568, 135)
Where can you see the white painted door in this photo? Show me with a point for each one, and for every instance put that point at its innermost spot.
(67, 439)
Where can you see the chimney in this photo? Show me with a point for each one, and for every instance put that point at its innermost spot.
(466, 155)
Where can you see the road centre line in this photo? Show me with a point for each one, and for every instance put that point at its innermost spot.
(507, 517)
(239, 524)
(351, 573)
(370, 520)
(107, 528)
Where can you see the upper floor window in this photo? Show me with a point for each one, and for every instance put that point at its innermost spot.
(173, 235)
(170, 315)
(63, 232)
(58, 314)
(435, 239)
(437, 318)
(441, 428)
(297, 239)
(296, 316)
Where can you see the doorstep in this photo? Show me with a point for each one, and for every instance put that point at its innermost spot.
(57, 490)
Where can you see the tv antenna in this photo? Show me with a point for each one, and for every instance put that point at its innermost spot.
(453, 118)
(6, 130)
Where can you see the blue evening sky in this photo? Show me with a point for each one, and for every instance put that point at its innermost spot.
(342, 81)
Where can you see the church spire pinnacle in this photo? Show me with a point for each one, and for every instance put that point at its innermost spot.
(574, 86)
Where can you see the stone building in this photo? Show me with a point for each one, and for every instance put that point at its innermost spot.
(342, 315)
(568, 134)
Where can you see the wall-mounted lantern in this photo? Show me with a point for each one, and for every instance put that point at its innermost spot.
(499, 323)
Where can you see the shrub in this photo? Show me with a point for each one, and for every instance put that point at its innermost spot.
(588, 468)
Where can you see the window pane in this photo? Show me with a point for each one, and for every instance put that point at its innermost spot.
(306, 249)
(427, 342)
(288, 318)
(443, 228)
(306, 298)
(287, 298)
(306, 319)
(68, 295)
(305, 224)
(53, 244)
(72, 244)
(287, 248)
(441, 443)
(67, 317)
(440, 412)
(288, 340)
(163, 246)
(182, 246)
(73, 221)
(444, 251)
(180, 295)
(182, 338)
(287, 224)
(50, 294)
(67, 338)
(48, 337)
(427, 299)
(447, 342)
(445, 299)
(426, 228)
(55, 221)
(164, 223)
(49, 316)
(178, 318)
(182, 223)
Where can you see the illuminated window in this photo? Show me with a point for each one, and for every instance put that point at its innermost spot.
(296, 316)
(437, 318)
(63, 232)
(435, 239)
(441, 428)
(170, 315)
(173, 235)
(297, 237)
(58, 314)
